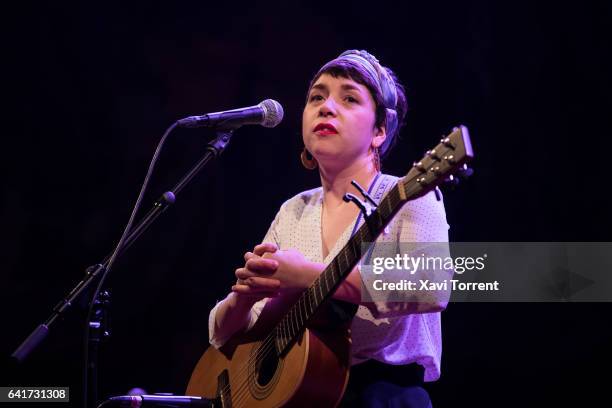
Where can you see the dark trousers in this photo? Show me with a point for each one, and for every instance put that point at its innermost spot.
(377, 385)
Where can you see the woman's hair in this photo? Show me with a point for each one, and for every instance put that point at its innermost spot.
(354, 70)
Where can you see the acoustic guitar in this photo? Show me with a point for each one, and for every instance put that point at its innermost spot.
(299, 363)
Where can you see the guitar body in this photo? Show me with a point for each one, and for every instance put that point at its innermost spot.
(314, 372)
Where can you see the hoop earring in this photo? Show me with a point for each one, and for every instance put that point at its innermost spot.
(376, 159)
(308, 160)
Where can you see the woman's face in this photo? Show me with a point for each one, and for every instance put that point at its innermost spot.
(338, 121)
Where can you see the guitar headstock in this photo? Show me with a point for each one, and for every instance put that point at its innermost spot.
(440, 164)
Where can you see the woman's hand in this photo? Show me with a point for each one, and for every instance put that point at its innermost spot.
(251, 286)
(267, 267)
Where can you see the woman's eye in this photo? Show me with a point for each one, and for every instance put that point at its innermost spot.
(315, 97)
(351, 99)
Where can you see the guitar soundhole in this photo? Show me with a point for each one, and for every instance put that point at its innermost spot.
(266, 367)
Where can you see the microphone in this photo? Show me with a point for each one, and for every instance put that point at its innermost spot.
(269, 113)
(168, 401)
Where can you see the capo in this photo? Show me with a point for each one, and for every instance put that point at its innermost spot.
(366, 207)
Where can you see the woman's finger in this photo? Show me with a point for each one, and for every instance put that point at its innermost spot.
(243, 273)
(263, 283)
(252, 291)
(261, 249)
(261, 265)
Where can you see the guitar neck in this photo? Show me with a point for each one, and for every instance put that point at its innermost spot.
(298, 316)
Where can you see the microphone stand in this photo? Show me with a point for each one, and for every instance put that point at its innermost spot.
(98, 322)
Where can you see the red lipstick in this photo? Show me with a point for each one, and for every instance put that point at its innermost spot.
(325, 129)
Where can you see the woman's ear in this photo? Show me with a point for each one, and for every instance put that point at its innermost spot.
(379, 137)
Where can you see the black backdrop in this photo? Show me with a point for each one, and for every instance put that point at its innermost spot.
(91, 87)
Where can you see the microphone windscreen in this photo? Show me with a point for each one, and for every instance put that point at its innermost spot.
(273, 113)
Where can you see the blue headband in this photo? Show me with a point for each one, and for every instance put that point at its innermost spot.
(383, 81)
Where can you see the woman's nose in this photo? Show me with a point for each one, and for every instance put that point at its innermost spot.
(328, 108)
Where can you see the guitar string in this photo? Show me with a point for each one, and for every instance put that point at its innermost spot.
(262, 352)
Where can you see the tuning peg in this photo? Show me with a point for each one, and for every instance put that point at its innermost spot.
(419, 166)
(447, 142)
(449, 158)
(465, 171)
(436, 170)
(433, 154)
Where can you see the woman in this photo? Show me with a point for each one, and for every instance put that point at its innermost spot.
(352, 117)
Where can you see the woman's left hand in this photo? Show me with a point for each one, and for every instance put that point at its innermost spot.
(294, 271)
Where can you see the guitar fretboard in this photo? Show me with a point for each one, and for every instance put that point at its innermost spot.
(295, 321)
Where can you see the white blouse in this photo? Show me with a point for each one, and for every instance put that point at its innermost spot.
(383, 332)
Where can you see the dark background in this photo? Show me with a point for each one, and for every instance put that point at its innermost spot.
(91, 87)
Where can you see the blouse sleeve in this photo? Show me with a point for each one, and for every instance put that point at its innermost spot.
(272, 236)
(419, 229)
